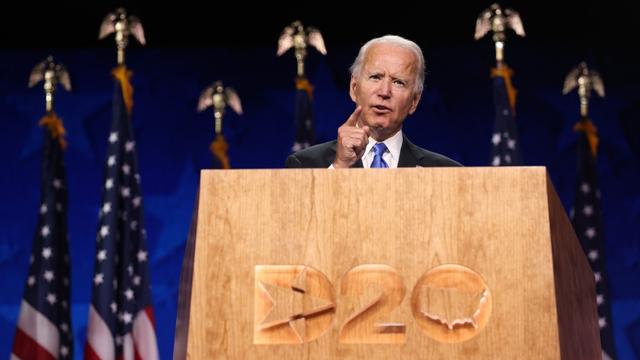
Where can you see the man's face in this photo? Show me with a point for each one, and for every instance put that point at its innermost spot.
(385, 88)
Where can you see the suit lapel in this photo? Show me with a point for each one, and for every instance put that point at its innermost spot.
(407, 154)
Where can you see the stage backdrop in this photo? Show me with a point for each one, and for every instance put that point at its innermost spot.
(455, 118)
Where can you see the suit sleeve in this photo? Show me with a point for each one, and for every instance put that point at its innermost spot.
(292, 162)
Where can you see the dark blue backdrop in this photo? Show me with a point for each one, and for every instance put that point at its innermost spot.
(454, 118)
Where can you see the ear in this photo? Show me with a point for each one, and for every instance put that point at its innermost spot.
(352, 88)
(414, 103)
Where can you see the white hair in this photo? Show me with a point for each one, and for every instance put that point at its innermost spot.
(356, 68)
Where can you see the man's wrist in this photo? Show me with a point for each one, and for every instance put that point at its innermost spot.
(339, 165)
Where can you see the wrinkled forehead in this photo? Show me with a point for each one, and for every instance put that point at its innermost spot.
(390, 58)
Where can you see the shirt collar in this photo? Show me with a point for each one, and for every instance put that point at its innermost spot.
(394, 144)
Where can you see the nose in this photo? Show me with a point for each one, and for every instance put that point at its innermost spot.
(384, 88)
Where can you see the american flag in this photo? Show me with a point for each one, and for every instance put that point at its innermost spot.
(505, 149)
(587, 222)
(304, 121)
(44, 324)
(121, 324)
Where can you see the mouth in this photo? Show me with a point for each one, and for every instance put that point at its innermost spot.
(381, 109)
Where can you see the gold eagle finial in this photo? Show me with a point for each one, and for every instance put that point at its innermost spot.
(297, 36)
(51, 74)
(497, 20)
(122, 25)
(585, 80)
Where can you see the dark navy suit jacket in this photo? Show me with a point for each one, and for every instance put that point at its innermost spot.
(322, 155)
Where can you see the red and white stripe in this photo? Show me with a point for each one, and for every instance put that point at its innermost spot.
(36, 336)
(140, 344)
(100, 342)
(144, 335)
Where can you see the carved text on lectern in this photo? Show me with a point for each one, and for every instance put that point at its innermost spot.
(378, 290)
(293, 304)
(451, 303)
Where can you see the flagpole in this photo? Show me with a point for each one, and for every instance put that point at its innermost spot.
(586, 214)
(121, 292)
(299, 37)
(44, 323)
(219, 97)
(505, 143)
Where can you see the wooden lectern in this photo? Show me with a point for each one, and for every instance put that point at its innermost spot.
(420, 263)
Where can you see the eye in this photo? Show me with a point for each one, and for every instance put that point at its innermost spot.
(399, 83)
(375, 77)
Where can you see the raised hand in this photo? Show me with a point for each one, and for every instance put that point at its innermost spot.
(352, 141)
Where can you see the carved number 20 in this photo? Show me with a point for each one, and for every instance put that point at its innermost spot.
(381, 290)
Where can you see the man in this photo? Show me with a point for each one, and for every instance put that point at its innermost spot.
(386, 84)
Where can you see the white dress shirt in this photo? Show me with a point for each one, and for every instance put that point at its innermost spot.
(390, 156)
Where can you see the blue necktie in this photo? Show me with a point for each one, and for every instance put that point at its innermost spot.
(378, 150)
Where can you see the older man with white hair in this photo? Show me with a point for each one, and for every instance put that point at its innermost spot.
(386, 84)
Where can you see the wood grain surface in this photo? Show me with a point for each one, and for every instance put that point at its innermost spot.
(497, 222)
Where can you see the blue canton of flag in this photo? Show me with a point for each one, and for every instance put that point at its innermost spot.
(44, 324)
(587, 222)
(121, 321)
(505, 149)
(304, 121)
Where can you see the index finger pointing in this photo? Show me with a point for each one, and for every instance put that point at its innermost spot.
(353, 119)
